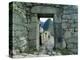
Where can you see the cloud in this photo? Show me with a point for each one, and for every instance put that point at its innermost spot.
(44, 19)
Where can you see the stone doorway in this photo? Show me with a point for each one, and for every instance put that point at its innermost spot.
(46, 28)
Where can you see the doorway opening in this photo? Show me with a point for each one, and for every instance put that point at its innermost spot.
(46, 29)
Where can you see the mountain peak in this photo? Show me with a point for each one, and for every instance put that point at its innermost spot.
(48, 23)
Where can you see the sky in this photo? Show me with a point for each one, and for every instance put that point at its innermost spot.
(44, 19)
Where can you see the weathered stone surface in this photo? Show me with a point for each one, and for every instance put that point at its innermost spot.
(70, 13)
(26, 27)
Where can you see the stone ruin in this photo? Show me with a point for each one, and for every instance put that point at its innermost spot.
(24, 26)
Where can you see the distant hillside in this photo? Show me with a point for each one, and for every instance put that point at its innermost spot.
(48, 24)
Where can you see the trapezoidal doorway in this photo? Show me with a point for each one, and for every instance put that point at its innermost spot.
(46, 32)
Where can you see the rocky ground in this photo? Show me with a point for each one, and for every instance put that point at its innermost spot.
(36, 54)
(32, 55)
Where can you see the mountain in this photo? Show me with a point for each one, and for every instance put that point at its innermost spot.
(48, 25)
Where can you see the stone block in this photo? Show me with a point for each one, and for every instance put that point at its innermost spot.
(64, 25)
(70, 45)
(67, 34)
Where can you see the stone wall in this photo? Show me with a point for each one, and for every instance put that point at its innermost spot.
(24, 28)
(70, 27)
(19, 28)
